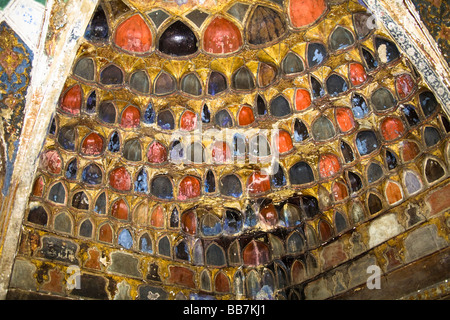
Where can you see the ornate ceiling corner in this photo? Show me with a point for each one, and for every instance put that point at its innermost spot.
(403, 23)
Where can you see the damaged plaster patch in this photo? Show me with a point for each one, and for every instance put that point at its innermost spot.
(383, 229)
(423, 241)
(22, 275)
(382, 53)
(126, 264)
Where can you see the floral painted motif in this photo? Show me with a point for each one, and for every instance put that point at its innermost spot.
(15, 67)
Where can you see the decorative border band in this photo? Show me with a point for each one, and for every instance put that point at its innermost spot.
(414, 54)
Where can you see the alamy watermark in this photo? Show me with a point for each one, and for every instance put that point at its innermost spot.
(374, 280)
(228, 146)
(74, 279)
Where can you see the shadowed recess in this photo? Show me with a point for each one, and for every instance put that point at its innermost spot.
(178, 40)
